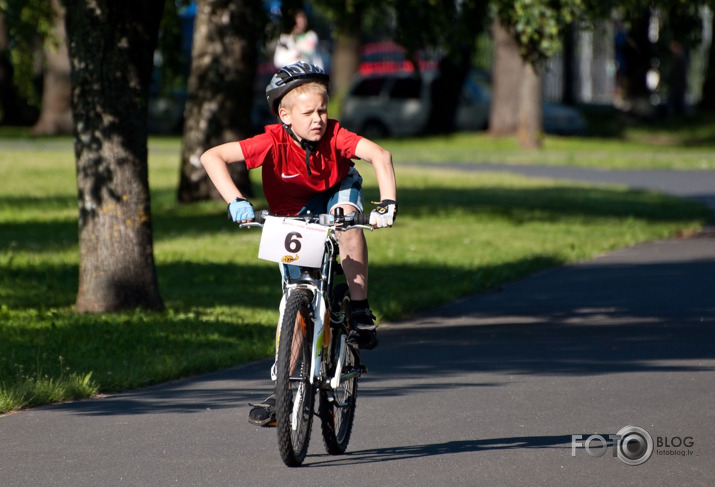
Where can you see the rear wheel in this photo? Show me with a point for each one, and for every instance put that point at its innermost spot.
(337, 406)
(295, 395)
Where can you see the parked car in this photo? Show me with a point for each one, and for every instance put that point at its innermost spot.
(398, 104)
(390, 57)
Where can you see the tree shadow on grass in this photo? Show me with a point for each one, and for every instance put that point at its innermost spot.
(55, 285)
(516, 204)
(187, 286)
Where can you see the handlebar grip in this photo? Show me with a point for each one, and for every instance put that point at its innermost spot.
(360, 219)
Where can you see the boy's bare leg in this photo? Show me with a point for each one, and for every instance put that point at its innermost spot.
(354, 259)
(353, 256)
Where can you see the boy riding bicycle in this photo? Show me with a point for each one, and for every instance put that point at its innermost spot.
(307, 166)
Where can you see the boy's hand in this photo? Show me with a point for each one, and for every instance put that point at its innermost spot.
(240, 210)
(384, 215)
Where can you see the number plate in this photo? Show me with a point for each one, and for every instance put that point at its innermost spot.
(292, 242)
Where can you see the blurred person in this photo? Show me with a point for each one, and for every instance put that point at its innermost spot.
(300, 44)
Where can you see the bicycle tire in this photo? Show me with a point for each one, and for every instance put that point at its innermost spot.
(337, 408)
(293, 381)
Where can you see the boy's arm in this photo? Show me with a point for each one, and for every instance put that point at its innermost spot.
(381, 161)
(215, 161)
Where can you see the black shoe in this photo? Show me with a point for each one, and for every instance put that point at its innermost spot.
(263, 414)
(363, 333)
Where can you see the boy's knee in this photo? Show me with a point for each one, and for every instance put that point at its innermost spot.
(352, 239)
(352, 235)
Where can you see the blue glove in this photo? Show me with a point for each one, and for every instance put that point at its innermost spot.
(240, 210)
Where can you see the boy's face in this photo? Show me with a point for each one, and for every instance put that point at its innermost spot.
(307, 114)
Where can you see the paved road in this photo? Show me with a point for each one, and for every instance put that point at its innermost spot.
(485, 391)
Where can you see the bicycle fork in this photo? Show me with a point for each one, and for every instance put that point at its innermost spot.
(320, 317)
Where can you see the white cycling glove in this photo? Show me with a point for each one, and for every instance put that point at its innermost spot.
(384, 215)
(240, 210)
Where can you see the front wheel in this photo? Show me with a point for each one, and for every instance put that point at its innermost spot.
(295, 395)
(337, 406)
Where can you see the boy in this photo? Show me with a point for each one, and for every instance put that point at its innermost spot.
(306, 166)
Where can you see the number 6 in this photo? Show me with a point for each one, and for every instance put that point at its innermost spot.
(292, 242)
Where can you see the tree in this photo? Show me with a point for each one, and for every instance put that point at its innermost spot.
(451, 28)
(27, 24)
(507, 71)
(220, 90)
(708, 100)
(536, 27)
(348, 18)
(111, 48)
(445, 25)
(682, 29)
(56, 112)
(39, 50)
(640, 47)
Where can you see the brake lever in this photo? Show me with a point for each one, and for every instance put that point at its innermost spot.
(250, 224)
(364, 227)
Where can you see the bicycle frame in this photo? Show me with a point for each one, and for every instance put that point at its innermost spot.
(303, 370)
(320, 283)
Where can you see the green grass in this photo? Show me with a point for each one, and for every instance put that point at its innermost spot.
(685, 143)
(458, 233)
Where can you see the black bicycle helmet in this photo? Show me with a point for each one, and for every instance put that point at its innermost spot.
(292, 76)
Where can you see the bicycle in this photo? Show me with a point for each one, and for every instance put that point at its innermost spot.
(312, 353)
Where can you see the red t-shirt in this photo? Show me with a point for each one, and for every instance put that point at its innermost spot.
(286, 183)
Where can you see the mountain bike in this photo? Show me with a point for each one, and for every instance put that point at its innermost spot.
(312, 356)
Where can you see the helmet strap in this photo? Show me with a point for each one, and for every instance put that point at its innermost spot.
(307, 145)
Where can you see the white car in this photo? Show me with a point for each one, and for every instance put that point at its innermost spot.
(398, 105)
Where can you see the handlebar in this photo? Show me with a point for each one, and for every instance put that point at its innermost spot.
(337, 220)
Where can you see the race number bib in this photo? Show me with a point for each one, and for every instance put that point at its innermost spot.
(292, 242)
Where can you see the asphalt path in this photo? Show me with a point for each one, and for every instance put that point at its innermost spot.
(488, 390)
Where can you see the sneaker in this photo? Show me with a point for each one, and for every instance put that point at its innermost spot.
(263, 414)
(363, 333)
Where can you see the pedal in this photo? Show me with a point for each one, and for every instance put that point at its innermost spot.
(331, 397)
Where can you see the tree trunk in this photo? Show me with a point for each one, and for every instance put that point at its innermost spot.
(637, 57)
(220, 90)
(4, 41)
(345, 62)
(445, 95)
(56, 113)
(454, 67)
(530, 123)
(507, 78)
(708, 100)
(111, 47)
(346, 50)
(568, 96)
